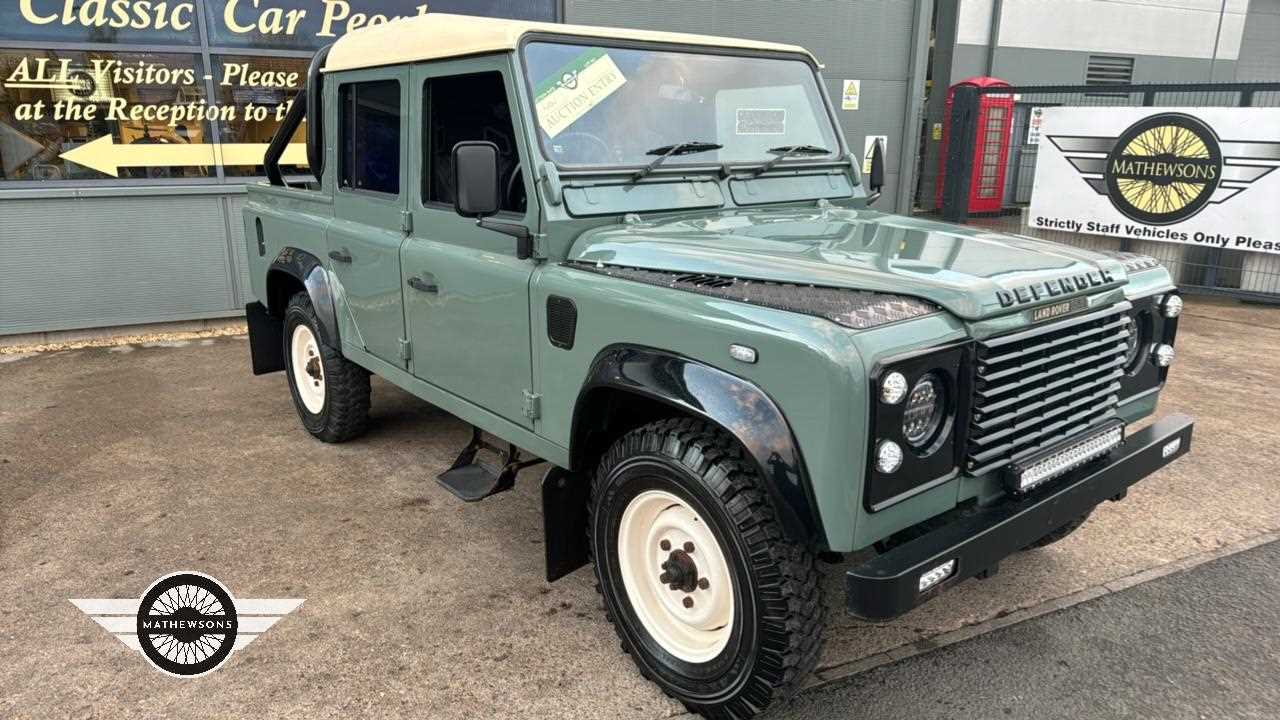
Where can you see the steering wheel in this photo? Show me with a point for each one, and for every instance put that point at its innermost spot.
(517, 201)
(595, 139)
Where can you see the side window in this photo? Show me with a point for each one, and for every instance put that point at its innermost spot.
(369, 158)
(468, 107)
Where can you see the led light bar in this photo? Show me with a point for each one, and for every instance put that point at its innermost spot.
(937, 575)
(1058, 462)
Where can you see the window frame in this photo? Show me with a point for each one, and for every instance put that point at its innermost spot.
(424, 134)
(340, 166)
(674, 166)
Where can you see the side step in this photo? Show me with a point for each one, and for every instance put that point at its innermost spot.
(483, 469)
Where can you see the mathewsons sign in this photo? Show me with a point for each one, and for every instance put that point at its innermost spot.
(1197, 176)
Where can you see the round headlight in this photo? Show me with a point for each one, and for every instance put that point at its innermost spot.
(1173, 306)
(1139, 337)
(1164, 355)
(1130, 343)
(893, 388)
(923, 415)
(888, 456)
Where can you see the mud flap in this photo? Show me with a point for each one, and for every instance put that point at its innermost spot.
(266, 339)
(564, 521)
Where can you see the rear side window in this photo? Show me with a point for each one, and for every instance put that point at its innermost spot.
(370, 153)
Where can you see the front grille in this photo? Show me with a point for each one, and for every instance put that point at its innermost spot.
(1034, 388)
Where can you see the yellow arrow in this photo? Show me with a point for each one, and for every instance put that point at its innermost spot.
(105, 156)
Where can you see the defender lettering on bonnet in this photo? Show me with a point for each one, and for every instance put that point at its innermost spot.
(1054, 288)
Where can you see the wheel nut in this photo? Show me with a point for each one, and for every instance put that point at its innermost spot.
(688, 602)
(703, 583)
(688, 547)
(665, 545)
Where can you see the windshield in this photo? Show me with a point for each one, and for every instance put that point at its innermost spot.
(599, 105)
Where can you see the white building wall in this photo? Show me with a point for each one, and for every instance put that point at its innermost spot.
(1168, 28)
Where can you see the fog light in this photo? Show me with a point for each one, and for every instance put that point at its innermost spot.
(888, 456)
(1171, 447)
(1163, 355)
(893, 388)
(937, 575)
(1173, 306)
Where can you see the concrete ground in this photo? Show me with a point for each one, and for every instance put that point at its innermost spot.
(1197, 644)
(119, 465)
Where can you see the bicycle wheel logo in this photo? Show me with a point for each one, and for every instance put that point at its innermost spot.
(1167, 167)
(187, 624)
(1164, 169)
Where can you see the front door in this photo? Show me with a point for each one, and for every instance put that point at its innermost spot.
(365, 237)
(466, 293)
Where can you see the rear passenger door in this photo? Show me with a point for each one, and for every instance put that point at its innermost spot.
(369, 223)
(466, 293)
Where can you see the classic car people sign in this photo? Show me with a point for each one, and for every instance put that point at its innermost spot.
(1199, 176)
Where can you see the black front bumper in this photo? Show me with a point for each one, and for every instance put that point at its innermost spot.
(888, 585)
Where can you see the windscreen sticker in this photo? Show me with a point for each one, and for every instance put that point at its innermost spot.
(762, 121)
(575, 89)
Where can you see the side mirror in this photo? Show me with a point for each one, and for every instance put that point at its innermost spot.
(475, 179)
(476, 192)
(875, 178)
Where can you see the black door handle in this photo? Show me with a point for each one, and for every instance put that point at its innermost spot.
(421, 285)
(341, 256)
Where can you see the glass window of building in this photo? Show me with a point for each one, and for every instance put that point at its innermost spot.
(72, 115)
(261, 88)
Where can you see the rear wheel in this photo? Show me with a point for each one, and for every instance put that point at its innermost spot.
(709, 597)
(330, 393)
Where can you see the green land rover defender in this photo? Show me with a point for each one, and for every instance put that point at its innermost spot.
(649, 261)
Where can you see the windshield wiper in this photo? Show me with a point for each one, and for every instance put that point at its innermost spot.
(782, 153)
(665, 151)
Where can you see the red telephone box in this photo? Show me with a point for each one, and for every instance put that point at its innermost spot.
(991, 145)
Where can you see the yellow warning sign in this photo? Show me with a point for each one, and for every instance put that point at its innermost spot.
(850, 93)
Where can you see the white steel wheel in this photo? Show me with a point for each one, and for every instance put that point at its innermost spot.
(676, 576)
(308, 368)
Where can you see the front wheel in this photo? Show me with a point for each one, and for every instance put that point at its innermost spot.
(708, 595)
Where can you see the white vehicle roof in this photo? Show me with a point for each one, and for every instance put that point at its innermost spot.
(436, 36)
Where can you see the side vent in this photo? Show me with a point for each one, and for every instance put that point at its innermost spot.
(562, 321)
(709, 281)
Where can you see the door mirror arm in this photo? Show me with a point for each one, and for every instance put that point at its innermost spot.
(524, 238)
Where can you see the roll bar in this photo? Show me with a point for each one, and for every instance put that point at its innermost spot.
(308, 104)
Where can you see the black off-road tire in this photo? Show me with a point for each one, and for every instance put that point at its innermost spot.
(345, 413)
(779, 613)
(1060, 533)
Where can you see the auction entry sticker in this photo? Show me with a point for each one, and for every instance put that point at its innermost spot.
(575, 89)
(761, 121)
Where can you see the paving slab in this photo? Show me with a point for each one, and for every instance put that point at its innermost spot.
(117, 468)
